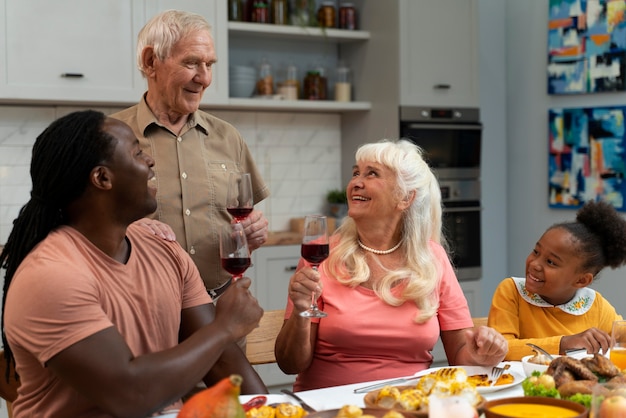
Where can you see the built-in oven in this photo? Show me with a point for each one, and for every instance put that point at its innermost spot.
(450, 137)
(451, 141)
(462, 226)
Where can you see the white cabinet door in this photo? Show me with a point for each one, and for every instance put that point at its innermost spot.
(273, 267)
(471, 290)
(215, 12)
(439, 53)
(69, 50)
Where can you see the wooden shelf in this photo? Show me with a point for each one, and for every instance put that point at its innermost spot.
(315, 106)
(296, 32)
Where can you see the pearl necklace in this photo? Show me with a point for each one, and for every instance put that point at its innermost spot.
(379, 252)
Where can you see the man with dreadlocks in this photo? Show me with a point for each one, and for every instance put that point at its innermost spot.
(102, 317)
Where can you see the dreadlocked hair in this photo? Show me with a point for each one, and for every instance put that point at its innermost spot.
(62, 158)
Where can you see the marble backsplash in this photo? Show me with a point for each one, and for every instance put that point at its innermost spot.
(299, 155)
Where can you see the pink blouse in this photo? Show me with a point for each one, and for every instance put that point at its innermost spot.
(364, 339)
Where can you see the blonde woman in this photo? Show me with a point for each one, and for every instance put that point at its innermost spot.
(388, 286)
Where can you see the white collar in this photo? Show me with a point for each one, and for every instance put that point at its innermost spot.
(578, 305)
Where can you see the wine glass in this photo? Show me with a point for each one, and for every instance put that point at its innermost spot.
(234, 252)
(239, 201)
(314, 250)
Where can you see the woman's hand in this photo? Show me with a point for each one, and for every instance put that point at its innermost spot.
(593, 340)
(485, 346)
(158, 228)
(479, 346)
(301, 286)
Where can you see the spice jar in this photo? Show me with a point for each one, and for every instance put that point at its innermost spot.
(265, 83)
(326, 14)
(235, 10)
(314, 86)
(260, 12)
(279, 12)
(347, 16)
(343, 85)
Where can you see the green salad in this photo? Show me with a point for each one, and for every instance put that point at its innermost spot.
(535, 386)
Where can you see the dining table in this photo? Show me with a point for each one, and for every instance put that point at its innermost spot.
(337, 396)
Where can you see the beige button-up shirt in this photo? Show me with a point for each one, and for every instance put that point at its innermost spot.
(192, 171)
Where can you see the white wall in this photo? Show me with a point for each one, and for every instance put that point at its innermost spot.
(298, 155)
(527, 107)
(492, 48)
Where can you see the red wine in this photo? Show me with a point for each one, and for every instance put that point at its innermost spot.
(314, 253)
(236, 266)
(239, 213)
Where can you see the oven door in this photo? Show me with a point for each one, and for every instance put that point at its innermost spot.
(461, 228)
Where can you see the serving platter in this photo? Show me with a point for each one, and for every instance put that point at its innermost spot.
(473, 370)
(375, 412)
(370, 402)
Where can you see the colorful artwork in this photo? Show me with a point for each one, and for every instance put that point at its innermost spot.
(586, 46)
(587, 159)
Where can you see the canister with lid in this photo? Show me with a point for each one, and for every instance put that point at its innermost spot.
(314, 86)
(279, 12)
(343, 85)
(347, 16)
(326, 14)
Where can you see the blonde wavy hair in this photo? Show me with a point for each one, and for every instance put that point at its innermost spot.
(421, 223)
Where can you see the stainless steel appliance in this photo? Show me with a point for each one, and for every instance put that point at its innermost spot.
(451, 140)
(450, 137)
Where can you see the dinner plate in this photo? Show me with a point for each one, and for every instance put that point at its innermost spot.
(370, 402)
(472, 370)
(375, 412)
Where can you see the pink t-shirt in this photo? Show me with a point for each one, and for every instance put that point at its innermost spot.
(364, 339)
(67, 290)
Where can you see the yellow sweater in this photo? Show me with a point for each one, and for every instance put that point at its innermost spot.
(523, 319)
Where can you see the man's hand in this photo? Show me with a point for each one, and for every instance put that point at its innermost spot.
(256, 228)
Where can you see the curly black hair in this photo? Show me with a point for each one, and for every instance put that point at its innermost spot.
(600, 232)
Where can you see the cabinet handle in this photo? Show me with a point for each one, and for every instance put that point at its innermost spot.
(290, 268)
(442, 86)
(72, 75)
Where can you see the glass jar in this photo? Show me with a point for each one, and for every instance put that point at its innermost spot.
(235, 10)
(343, 85)
(347, 16)
(326, 14)
(279, 12)
(265, 82)
(260, 12)
(314, 86)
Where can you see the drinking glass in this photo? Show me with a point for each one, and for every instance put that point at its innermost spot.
(618, 344)
(239, 201)
(234, 252)
(314, 250)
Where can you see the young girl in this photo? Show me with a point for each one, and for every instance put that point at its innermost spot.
(553, 307)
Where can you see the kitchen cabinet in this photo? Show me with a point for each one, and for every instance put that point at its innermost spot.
(69, 51)
(439, 53)
(472, 291)
(272, 268)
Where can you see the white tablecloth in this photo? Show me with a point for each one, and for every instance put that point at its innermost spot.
(336, 397)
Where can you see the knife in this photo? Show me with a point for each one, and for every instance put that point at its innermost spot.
(385, 383)
(303, 404)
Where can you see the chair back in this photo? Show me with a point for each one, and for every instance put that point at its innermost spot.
(480, 321)
(8, 389)
(260, 342)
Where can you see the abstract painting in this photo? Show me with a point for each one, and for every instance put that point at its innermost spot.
(587, 156)
(586, 46)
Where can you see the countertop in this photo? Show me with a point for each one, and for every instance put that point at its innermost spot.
(294, 235)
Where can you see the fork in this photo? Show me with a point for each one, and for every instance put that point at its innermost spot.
(496, 372)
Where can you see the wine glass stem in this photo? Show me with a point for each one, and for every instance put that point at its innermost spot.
(314, 295)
